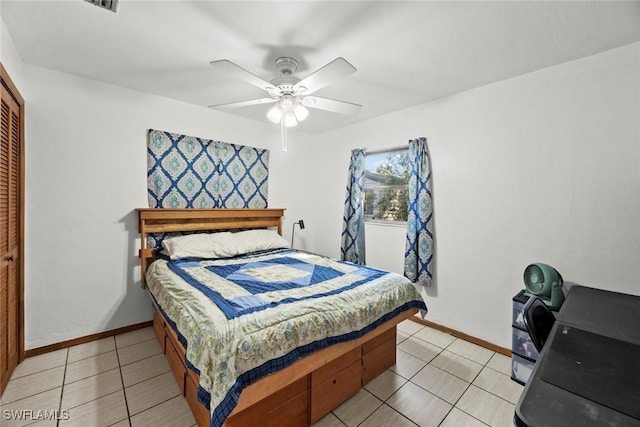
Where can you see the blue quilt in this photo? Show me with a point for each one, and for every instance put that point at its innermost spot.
(241, 319)
(267, 283)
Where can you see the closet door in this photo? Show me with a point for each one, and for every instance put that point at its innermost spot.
(10, 230)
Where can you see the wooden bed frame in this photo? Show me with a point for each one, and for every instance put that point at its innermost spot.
(298, 395)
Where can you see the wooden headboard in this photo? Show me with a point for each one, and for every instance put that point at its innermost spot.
(159, 220)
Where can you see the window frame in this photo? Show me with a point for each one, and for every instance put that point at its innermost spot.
(366, 189)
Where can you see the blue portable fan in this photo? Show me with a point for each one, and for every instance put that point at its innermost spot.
(545, 282)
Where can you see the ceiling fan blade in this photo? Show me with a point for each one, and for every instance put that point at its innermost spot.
(245, 103)
(332, 105)
(238, 71)
(334, 70)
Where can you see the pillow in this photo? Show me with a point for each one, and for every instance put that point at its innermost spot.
(201, 245)
(259, 240)
(223, 244)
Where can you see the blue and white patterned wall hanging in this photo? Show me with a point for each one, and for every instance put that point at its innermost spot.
(189, 172)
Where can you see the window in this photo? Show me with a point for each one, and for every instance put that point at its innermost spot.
(386, 192)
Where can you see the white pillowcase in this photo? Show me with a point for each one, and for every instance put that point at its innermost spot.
(223, 244)
(258, 240)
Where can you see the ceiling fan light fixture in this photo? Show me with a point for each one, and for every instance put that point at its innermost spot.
(300, 111)
(290, 119)
(287, 101)
(289, 94)
(275, 113)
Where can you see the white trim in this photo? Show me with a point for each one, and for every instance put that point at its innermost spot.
(385, 223)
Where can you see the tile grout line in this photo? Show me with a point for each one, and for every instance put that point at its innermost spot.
(373, 412)
(451, 351)
(124, 391)
(155, 405)
(139, 360)
(33, 393)
(493, 394)
(64, 376)
(384, 403)
(478, 387)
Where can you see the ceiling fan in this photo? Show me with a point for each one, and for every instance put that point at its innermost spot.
(290, 94)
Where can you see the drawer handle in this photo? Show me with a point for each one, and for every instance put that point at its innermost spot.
(334, 380)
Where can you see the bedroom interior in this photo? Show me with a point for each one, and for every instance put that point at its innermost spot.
(531, 114)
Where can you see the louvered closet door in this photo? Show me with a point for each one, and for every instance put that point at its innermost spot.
(9, 235)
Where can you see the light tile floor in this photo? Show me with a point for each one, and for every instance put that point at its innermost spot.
(125, 380)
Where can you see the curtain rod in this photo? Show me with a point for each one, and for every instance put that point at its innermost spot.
(386, 150)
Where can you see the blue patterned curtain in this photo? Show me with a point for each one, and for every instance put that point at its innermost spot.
(188, 172)
(353, 220)
(418, 254)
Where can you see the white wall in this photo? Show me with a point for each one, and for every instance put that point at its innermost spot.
(543, 167)
(9, 55)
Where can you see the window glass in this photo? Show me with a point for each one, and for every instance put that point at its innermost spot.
(386, 193)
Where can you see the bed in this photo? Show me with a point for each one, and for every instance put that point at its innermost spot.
(257, 333)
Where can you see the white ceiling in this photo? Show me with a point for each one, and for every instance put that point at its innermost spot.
(406, 53)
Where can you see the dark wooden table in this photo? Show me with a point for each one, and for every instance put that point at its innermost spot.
(588, 373)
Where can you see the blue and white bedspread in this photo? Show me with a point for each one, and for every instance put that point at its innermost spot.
(243, 318)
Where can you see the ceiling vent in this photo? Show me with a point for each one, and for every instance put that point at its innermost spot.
(111, 5)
